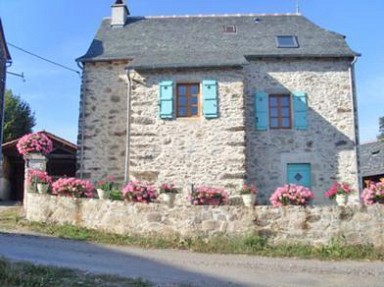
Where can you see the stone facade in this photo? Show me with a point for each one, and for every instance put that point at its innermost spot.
(310, 225)
(226, 151)
(328, 144)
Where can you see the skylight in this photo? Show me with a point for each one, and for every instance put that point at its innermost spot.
(287, 41)
(231, 29)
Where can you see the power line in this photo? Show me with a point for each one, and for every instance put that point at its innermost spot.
(44, 59)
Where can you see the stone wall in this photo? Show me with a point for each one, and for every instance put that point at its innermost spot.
(104, 107)
(188, 151)
(329, 142)
(310, 225)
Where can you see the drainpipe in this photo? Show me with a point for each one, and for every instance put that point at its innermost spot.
(82, 123)
(355, 120)
(128, 127)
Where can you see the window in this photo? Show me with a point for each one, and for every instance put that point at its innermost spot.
(287, 41)
(187, 104)
(231, 29)
(280, 112)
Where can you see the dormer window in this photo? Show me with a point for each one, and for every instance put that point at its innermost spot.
(230, 29)
(287, 41)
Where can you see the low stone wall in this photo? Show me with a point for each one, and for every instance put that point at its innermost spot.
(310, 225)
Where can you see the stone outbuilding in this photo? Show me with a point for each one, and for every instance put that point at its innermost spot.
(60, 162)
(372, 161)
(219, 101)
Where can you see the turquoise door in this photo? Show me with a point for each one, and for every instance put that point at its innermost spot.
(299, 173)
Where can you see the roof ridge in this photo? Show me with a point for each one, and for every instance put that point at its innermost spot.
(213, 15)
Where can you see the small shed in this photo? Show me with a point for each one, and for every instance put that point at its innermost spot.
(61, 162)
(372, 161)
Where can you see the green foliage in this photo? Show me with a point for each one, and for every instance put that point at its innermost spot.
(18, 117)
(30, 275)
(381, 129)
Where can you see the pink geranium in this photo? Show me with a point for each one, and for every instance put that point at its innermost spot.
(137, 191)
(34, 142)
(291, 194)
(205, 195)
(168, 188)
(38, 176)
(373, 193)
(73, 187)
(338, 188)
(248, 189)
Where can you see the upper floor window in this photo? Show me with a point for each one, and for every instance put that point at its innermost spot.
(187, 102)
(288, 41)
(280, 112)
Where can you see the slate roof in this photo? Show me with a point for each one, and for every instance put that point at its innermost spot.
(200, 41)
(372, 158)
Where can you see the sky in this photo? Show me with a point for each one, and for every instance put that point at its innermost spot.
(62, 30)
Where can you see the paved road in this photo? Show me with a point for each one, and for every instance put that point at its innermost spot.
(175, 268)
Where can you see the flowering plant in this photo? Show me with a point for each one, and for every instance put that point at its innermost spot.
(73, 187)
(248, 189)
(373, 193)
(35, 176)
(137, 191)
(34, 142)
(168, 188)
(204, 195)
(107, 184)
(291, 194)
(338, 188)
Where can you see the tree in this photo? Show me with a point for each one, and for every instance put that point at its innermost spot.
(381, 129)
(18, 117)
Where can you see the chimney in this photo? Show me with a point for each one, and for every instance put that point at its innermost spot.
(120, 14)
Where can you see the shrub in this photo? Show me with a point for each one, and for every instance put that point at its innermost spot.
(338, 188)
(373, 193)
(107, 184)
(34, 142)
(73, 187)
(291, 194)
(204, 195)
(136, 191)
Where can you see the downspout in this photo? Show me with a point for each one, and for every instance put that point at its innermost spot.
(128, 127)
(82, 123)
(355, 121)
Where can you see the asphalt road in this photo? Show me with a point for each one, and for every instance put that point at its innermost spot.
(175, 268)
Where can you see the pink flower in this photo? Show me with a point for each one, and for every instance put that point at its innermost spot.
(291, 194)
(34, 142)
(73, 187)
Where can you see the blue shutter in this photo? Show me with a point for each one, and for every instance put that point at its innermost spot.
(166, 100)
(300, 110)
(210, 102)
(261, 111)
(299, 173)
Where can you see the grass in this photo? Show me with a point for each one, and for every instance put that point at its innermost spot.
(30, 275)
(252, 244)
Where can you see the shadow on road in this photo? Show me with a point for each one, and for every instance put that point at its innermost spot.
(122, 261)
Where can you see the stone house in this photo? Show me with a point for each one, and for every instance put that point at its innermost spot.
(219, 101)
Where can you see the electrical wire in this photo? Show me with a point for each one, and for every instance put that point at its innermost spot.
(44, 59)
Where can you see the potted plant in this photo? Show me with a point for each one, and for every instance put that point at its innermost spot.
(373, 193)
(205, 195)
(105, 187)
(168, 193)
(248, 194)
(38, 180)
(73, 187)
(34, 143)
(137, 191)
(339, 192)
(291, 194)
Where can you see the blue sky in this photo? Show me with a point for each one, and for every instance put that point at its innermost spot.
(62, 30)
